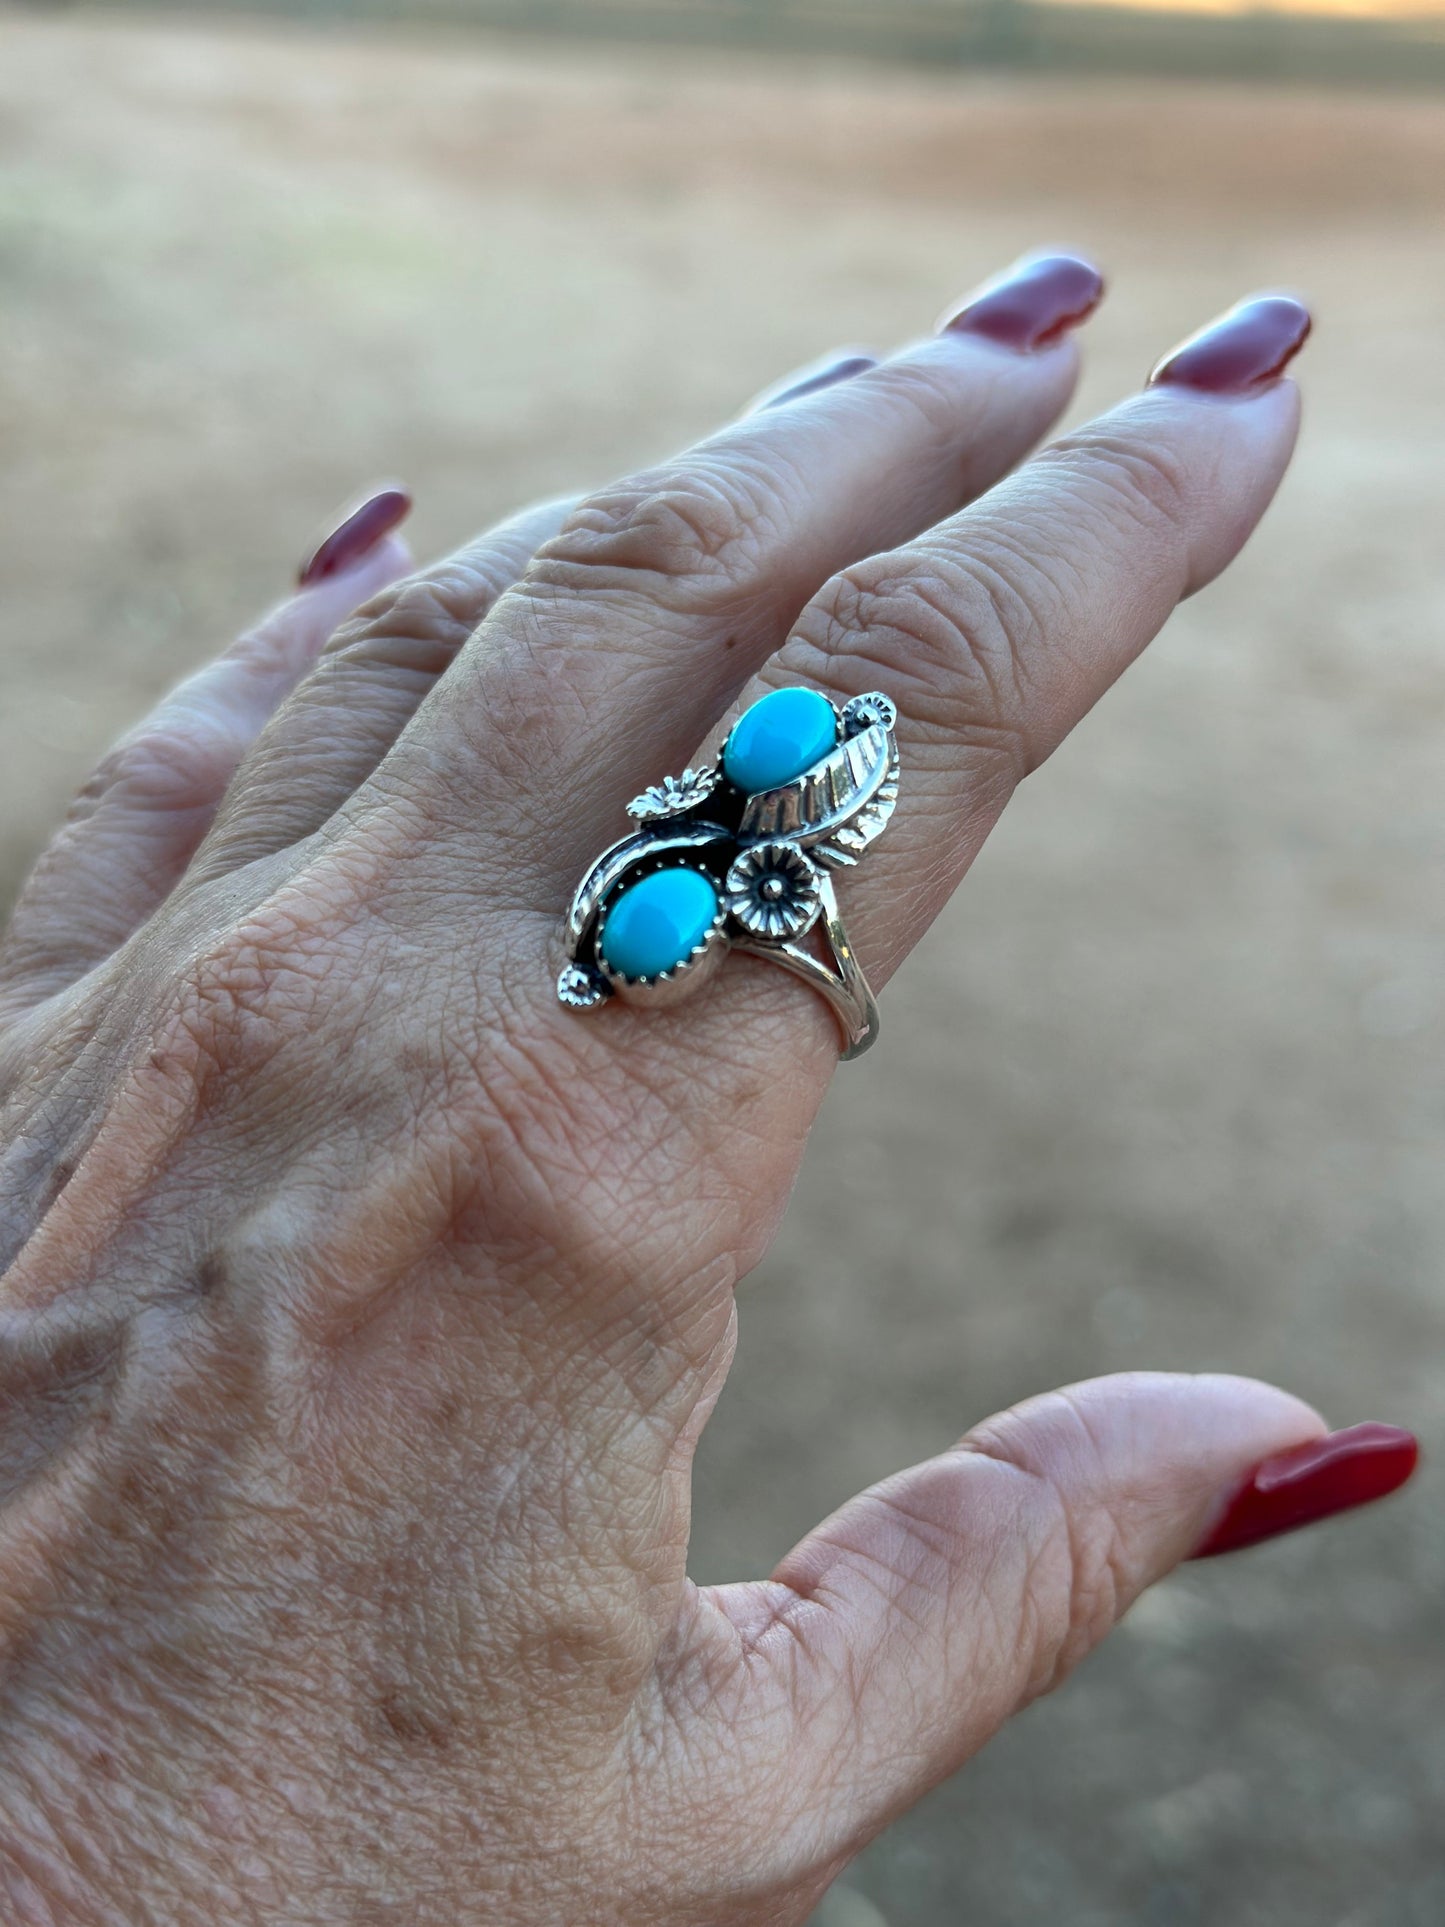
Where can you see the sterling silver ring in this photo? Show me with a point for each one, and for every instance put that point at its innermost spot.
(737, 856)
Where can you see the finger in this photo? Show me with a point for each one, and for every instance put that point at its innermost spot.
(999, 630)
(380, 669)
(143, 812)
(368, 683)
(639, 623)
(900, 1635)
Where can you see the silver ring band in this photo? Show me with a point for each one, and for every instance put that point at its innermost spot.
(843, 987)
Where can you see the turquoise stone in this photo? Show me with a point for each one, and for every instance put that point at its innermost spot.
(778, 738)
(658, 922)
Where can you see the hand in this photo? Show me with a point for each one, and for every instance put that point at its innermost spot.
(364, 1307)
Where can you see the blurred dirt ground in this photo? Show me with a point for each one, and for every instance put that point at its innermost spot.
(1165, 1089)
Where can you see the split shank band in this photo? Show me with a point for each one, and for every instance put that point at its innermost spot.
(739, 856)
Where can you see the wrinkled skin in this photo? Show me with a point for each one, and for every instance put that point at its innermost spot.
(363, 1307)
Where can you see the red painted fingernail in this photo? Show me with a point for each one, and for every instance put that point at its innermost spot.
(1033, 304)
(1243, 350)
(1315, 1481)
(836, 371)
(356, 535)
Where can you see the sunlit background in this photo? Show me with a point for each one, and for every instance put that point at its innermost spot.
(1165, 1087)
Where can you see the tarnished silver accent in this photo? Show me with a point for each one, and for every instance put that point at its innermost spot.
(768, 857)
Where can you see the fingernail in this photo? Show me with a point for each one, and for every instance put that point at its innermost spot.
(835, 371)
(1033, 304)
(1243, 350)
(1315, 1481)
(356, 535)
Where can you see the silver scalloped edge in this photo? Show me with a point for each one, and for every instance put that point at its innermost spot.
(679, 969)
(714, 939)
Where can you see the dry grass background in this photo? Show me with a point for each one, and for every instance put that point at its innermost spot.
(1166, 1086)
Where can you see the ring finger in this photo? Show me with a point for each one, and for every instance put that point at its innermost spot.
(999, 630)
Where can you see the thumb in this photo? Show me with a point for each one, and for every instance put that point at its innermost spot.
(902, 1633)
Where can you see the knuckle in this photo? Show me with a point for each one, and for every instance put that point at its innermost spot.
(262, 989)
(264, 650)
(926, 390)
(1097, 1593)
(944, 637)
(418, 625)
(1079, 1572)
(1140, 484)
(695, 534)
(177, 766)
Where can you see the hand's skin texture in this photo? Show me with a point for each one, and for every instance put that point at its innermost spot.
(364, 1307)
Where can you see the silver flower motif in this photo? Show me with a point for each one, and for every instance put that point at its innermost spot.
(864, 711)
(580, 989)
(773, 891)
(674, 795)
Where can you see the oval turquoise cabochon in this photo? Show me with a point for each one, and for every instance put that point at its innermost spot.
(778, 738)
(658, 922)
